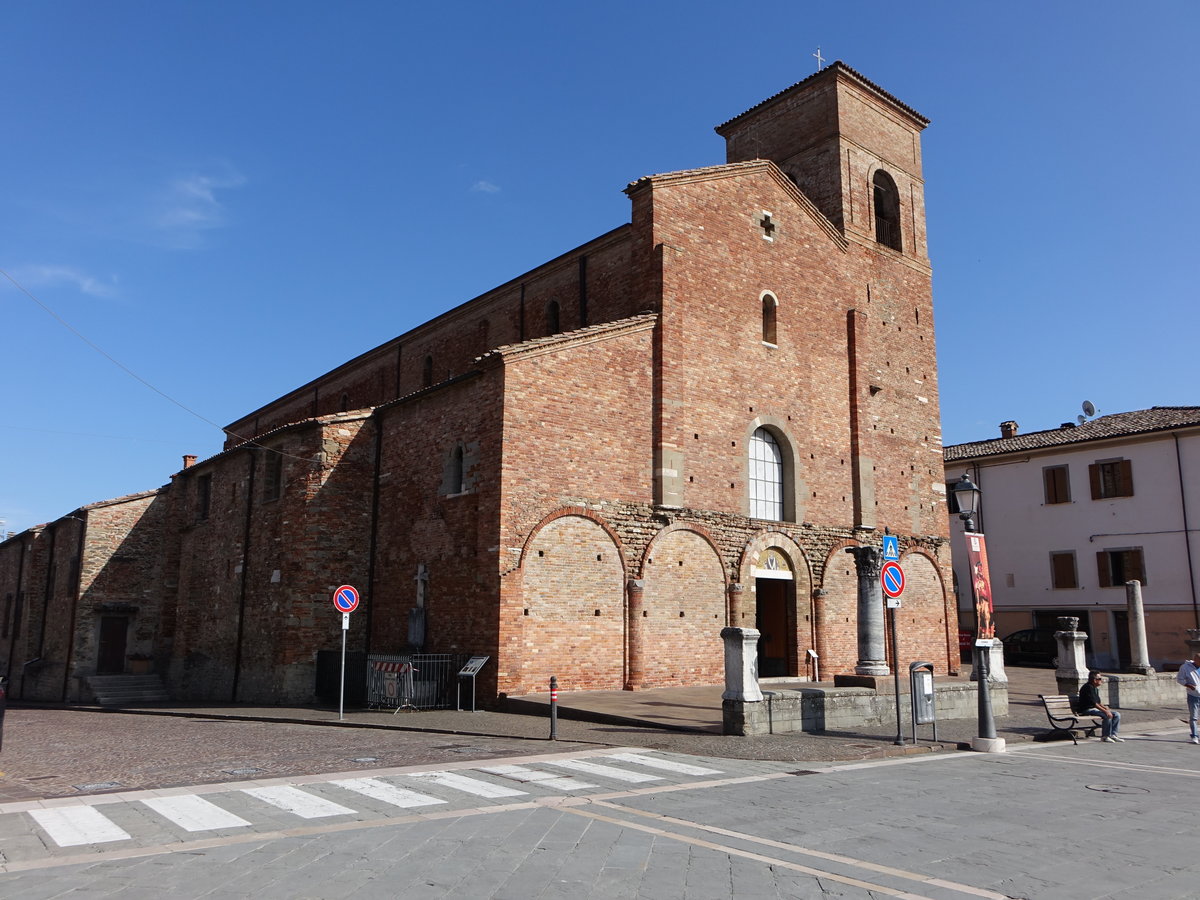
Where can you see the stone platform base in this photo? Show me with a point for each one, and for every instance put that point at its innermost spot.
(846, 708)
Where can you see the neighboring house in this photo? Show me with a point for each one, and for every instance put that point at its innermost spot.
(592, 469)
(1073, 513)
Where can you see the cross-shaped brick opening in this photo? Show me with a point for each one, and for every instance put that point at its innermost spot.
(767, 226)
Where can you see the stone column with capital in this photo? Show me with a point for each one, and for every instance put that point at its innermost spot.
(1072, 670)
(872, 653)
(635, 589)
(1138, 650)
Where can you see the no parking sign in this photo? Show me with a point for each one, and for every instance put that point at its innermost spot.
(892, 577)
(345, 599)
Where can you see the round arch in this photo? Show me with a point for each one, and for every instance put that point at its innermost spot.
(572, 604)
(684, 607)
(778, 601)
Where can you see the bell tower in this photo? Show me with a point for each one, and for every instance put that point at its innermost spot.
(851, 147)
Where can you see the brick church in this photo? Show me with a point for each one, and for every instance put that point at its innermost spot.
(586, 472)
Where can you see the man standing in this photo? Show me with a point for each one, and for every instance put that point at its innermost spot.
(1189, 677)
(1090, 705)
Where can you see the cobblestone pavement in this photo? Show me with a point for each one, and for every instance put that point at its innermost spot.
(61, 752)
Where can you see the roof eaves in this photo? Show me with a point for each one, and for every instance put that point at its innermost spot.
(1112, 427)
(836, 67)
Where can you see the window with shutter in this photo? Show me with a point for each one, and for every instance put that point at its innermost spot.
(1057, 484)
(1111, 478)
(1115, 567)
(1062, 570)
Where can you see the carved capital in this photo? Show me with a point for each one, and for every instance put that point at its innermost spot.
(868, 561)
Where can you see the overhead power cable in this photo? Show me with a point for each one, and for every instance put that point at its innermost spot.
(132, 374)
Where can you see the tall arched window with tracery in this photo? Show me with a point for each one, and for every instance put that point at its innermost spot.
(766, 476)
(887, 211)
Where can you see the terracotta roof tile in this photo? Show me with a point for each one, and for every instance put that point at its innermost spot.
(1142, 421)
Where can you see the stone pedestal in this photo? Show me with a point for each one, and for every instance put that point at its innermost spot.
(741, 664)
(1072, 670)
(996, 672)
(1139, 654)
(1193, 641)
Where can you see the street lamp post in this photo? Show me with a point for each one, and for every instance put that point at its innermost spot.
(967, 496)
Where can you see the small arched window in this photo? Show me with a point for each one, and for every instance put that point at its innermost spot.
(485, 328)
(766, 476)
(427, 372)
(769, 306)
(345, 403)
(553, 316)
(887, 211)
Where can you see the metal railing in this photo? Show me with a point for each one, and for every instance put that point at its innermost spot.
(888, 233)
(412, 681)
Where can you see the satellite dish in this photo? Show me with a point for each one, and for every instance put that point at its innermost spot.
(1081, 419)
(1089, 408)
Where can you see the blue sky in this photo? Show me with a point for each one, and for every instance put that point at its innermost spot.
(230, 198)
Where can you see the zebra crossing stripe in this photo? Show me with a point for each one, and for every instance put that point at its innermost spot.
(666, 765)
(387, 793)
(192, 813)
(542, 779)
(578, 765)
(296, 801)
(468, 785)
(78, 825)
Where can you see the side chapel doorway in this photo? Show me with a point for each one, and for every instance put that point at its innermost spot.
(774, 615)
(110, 654)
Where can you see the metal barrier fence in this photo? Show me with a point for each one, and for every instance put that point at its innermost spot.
(416, 681)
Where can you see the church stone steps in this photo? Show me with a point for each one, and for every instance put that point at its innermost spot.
(128, 690)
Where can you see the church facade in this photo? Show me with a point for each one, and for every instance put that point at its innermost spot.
(592, 469)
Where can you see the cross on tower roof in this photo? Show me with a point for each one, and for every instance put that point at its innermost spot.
(820, 59)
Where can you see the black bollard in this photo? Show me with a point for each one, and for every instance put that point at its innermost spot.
(553, 708)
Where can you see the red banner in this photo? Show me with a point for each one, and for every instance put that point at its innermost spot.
(981, 585)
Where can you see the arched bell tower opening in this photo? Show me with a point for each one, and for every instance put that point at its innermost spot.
(887, 211)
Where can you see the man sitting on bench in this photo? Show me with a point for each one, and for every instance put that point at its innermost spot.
(1089, 705)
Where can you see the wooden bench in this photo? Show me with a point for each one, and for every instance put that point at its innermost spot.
(1063, 717)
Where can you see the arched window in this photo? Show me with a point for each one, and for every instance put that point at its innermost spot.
(345, 403)
(427, 372)
(485, 337)
(766, 476)
(769, 306)
(887, 211)
(552, 317)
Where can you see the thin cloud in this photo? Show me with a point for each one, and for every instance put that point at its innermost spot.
(485, 187)
(41, 276)
(189, 206)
